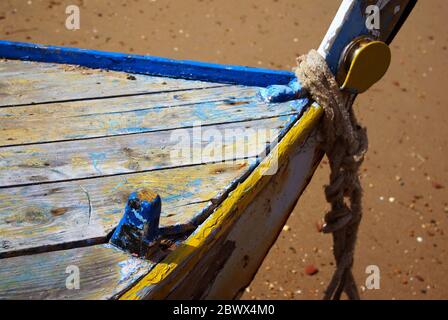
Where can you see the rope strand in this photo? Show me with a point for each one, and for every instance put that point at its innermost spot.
(345, 144)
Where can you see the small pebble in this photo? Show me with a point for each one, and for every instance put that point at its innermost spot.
(311, 270)
(419, 278)
(419, 239)
(437, 185)
(286, 228)
(391, 199)
(319, 226)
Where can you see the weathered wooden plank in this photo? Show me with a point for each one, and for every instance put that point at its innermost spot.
(166, 276)
(104, 271)
(52, 214)
(34, 82)
(130, 115)
(31, 164)
(157, 100)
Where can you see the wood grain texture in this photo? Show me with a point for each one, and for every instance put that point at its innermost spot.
(43, 216)
(34, 82)
(132, 115)
(66, 180)
(168, 274)
(104, 272)
(32, 164)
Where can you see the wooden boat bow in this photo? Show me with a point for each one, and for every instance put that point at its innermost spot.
(85, 149)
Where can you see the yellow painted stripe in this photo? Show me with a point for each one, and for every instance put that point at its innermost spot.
(189, 253)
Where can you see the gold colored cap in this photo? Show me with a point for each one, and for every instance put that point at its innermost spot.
(363, 64)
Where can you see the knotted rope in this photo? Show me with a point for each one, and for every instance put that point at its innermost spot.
(345, 144)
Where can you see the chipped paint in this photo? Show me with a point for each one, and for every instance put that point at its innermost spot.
(168, 272)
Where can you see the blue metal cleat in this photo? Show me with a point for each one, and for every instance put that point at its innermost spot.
(281, 93)
(138, 229)
(277, 93)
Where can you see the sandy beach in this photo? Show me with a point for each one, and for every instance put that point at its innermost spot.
(405, 175)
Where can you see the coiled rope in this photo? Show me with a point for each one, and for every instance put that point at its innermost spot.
(345, 144)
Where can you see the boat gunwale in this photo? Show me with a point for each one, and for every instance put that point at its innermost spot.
(145, 64)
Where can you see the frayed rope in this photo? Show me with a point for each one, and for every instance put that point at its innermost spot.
(345, 144)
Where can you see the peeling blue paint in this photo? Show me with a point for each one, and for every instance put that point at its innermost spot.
(96, 157)
(139, 226)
